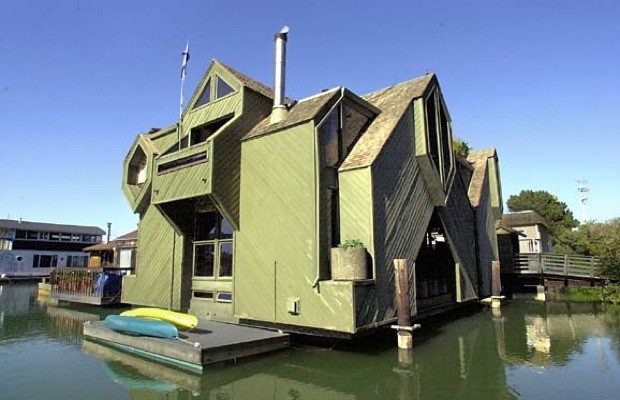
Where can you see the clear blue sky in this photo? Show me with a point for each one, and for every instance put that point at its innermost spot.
(538, 80)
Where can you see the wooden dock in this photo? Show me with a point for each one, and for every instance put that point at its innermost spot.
(210, 342)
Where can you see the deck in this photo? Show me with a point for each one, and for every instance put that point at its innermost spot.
(211, 342)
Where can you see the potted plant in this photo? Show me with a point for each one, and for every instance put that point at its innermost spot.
(349, 261)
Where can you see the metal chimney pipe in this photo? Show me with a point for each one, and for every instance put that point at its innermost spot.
(109, 232)
(279, 109)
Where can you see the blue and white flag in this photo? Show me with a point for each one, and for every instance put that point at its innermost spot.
(185, 60)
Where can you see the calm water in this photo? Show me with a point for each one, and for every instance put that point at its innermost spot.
(531, 351)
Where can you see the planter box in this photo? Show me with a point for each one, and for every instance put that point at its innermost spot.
(348, 264)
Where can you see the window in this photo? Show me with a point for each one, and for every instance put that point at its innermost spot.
(337, 135)
(20, 235)
(201, 133)
(42, 261)
(32, 235)
(205, 96)
(77, 261)
(213, 246)
(339, 132)
(223, 88)
(439, 136)
(137, 167)
(208, 295)
(224, 297)
(204, 259)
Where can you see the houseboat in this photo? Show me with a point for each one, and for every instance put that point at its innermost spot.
(242, 202)
(32, 249)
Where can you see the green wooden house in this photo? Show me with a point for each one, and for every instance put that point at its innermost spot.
(241, 203)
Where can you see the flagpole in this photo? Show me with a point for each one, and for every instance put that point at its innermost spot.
(183, 74)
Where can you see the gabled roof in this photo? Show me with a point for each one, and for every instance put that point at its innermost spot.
(478, 159)
(300, 112)
(392, 101)
(47, 227)
(523, 218)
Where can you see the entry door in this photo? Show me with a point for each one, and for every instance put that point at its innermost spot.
(213, 265)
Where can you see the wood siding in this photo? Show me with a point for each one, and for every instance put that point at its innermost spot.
(457, 218)
(276, 244)
(227, 154)
(402, 209)
(160, 249)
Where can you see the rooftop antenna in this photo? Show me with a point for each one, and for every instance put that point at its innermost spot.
(583, 189)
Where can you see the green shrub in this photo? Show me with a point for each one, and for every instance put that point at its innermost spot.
(351, 244)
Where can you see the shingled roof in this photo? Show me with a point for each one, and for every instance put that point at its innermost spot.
(478, 159)
(392, 101)
(523, 218)
(247, 81)
(302, 111)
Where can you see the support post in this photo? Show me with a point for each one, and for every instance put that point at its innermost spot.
(403, 305)
(496, 285)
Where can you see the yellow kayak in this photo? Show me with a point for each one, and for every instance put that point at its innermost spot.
(180, 320)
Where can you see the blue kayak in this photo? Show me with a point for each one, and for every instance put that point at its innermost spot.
(141, 326)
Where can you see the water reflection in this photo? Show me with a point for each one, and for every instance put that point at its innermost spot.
(524, 350)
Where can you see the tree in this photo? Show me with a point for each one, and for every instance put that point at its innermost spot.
(461, 147)
(559, 218)
(598, 239)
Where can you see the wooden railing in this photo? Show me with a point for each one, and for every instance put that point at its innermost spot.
(557, 264)
(100, 285)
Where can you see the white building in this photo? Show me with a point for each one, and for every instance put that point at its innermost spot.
(32, 248)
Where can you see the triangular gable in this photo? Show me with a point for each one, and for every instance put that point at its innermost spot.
(217, 82)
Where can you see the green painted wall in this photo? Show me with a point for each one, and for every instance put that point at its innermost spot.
(227, 153)
(355, 191)
(189, 181)
(276, 244)
(159, 251)
(402, 208)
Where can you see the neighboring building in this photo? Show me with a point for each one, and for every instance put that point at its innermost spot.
(118, 253)
(237, 219)
(534, 231)
(32, 248)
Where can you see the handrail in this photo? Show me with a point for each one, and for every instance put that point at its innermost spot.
(567, 265)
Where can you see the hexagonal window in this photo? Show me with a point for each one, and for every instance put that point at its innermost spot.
(137, 168)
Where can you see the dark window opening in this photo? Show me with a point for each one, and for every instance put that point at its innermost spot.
(330, 138)
(33, 235)
(446, 138)
(20, 235)
(432, 134)
(204, 256)
(205, 96)
(182, 162)
(204, 295)
(41, 261)
(213, 248)
(226, 259)
(201, 133)
(223, 88)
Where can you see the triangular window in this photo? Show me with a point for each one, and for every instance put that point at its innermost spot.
(205, 96)
(223, 88)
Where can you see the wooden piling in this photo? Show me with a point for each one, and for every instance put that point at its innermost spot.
(403, 305)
